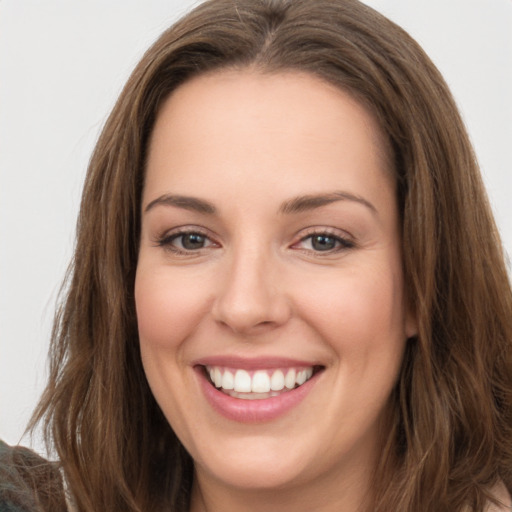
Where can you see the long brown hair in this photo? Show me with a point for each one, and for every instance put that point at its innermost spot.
(451, 438)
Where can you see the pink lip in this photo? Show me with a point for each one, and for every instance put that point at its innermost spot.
(256, 363)
(253, 411)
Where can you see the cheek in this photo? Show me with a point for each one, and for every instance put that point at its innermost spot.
(167, 314)
(168, 306)
(358, 311)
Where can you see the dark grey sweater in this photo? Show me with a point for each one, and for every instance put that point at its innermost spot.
(29, 483)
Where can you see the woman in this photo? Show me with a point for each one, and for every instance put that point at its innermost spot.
(284, 206)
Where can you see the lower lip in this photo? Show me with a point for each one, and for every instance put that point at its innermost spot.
(254, 411)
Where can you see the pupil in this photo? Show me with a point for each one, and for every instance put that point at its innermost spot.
(193, 241)
(323, 243)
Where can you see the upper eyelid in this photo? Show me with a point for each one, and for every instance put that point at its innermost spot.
(325, 230)
(183, 230)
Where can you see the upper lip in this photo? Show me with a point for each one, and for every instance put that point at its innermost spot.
(254, 363)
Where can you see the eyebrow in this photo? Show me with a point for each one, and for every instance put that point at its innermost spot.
(310, 202)
(185, 202)
(295, 205)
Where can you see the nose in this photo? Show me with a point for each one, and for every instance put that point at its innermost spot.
(250, 297)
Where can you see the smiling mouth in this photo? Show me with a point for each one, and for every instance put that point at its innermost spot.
(258, 384)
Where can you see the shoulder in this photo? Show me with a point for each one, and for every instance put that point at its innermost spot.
(28, 482)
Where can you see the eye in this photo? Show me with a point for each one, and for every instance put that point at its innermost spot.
(190, 241)
(185, 242)
(324, 242)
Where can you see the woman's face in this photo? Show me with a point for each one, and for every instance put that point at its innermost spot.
(270, 256)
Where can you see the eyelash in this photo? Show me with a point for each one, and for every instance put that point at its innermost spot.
(341, 243)
(166, 241)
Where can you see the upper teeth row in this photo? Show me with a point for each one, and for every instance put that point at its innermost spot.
(261, 381)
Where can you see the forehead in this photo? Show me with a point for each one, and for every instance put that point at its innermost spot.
(244, 92)
(283, 127)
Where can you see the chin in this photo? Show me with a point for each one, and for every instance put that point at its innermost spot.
(256, 468)
(255, 477)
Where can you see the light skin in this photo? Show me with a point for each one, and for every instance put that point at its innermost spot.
(270, 230)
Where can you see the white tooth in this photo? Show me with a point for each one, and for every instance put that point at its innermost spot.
(260, 382)
(309, 373)
(301, 377)
(211, 371)
(217, 377)
(289, 380)
(228, 381)
(242, 382)
(277, 381)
